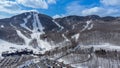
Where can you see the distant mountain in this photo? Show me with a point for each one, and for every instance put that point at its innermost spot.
(34, 29)
(39, 34)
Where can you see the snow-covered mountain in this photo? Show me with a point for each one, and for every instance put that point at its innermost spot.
(25, 30)
(32, 34)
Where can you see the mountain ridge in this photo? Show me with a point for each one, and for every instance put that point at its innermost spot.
(36, 30)
(37, 40)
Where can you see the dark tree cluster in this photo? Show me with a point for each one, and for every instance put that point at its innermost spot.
(17, 53)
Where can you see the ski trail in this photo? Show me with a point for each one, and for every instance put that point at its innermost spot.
(25, 22)
(88, 26)
(27, 40)
(61, 27)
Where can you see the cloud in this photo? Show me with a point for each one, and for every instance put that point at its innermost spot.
(51, 1)
(13, 7)
(9, 7)
(74, 9)
(103, 10)
(36, 3)
(111, 2)
(58, 16)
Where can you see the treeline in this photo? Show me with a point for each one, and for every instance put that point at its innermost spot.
(17, 53)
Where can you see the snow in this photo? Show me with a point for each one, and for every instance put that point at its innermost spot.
(73, 65)
(27, 41)
(58, 24)
(106, 46)
(42, 44)
(6, 46)
(88, 26)
(73, 27)
(76, 36)
(91, 26)
(37, 60)
(36, 34)
(2, 26)
(79, 66)
(62, 60)
(66, 39)
(37, 24)
(27, 63)
(25, 22)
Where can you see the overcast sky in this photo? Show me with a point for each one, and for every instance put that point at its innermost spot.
(57, 8)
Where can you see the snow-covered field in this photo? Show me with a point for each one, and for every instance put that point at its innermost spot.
(106, 46)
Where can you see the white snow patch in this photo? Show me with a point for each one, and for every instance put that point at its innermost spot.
(62, 60)
(37, 60)
(73, 27)
(10, 47)
(2, 26)
(78, 66)
(76, 36)
(66, 39)
(88, 26)
(37, 24)
(58, 25)
(27, 63)
(91, 26)
(41, 43)
(44, 45)
(27, 41)
(106, 46)
(73, 65)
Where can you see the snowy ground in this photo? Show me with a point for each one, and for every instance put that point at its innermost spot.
(105, 46)
(7, 46)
